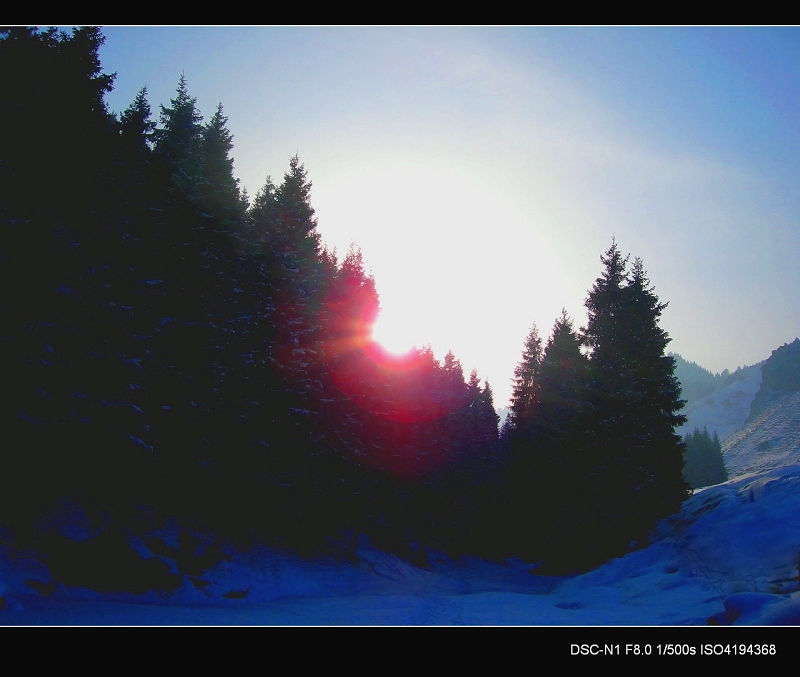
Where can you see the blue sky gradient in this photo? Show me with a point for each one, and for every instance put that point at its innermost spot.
(483, 171)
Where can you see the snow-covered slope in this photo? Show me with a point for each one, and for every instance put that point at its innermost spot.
(727, 408)
(770, 440)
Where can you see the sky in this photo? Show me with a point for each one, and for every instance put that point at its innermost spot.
(484, 170)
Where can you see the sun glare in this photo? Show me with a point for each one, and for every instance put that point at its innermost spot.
(395, 336)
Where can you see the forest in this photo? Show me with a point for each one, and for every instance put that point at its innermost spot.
(177, 353)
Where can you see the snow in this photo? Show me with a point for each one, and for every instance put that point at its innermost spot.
(726, 409)
(770, 440)
(724, 557)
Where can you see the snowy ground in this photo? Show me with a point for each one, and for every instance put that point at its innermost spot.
(730, 555)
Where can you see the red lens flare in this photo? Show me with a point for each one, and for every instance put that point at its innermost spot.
(394, 403)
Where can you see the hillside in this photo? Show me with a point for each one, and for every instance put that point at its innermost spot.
(771, 435)
(770, 440)
(726, 408)
(696, 381)
(755, 411)
(781, 376)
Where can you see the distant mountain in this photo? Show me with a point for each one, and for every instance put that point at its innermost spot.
(755, 410)
(770, 437)
(781, 376)
(769, 440)
(696, 382)
(726, 406)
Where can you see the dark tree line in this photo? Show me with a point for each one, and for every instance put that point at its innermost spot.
(591, 434)
(176, 354)
(704, 464)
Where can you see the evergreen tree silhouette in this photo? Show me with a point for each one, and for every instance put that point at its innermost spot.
(704, 464)
(221, 195)
(298, 266)
(56, 122)
(179, 141)
(656, 403)
(204, 382)
(563, 383)
(634, 400)
(525, 392)
(523, 449)
(136, 124)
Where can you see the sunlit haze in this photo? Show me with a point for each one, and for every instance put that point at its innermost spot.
(483, 171)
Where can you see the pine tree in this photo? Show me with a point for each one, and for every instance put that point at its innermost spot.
(54, 118)
(282, 220)
(296, 239)
(522, 450)
(558, 437)
(136, 125)
(525, 393)
(221, 194)
(704, 464)
(604, 336)
(563, 365)
(658, 400)
(351, 303)
(480, 420)
(261, 219)
(179, 141)
(453, 377)
(563, 384)
(634, 399)
(487, 415)
(605, 305)
(134, 162)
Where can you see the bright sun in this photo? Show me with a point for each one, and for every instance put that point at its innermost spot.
(394, 333)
